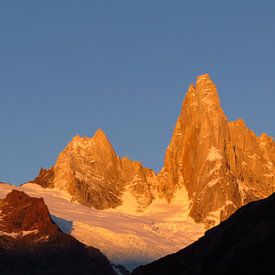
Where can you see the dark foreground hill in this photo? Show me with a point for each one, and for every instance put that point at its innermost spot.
(243, 244)
(31, 243)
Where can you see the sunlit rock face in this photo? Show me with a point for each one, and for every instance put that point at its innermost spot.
(222, 165)
(90, 170)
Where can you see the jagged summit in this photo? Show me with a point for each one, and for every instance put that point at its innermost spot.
(205, 76)
(100, 136)
(202, 95)
(202, 81)
(99, 142)
(219, 165)
(100, 132)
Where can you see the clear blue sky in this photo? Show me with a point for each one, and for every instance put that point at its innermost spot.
(70, 67)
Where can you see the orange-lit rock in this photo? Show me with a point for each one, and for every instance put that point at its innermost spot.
(90, 170)
(222, 165)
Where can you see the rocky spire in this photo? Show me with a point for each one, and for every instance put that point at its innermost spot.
(209, 157)
(101, 140)
(201, 125)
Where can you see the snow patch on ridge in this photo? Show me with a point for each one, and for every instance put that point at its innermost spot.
(214, 216)
(216, 168)
(177, 209)
(213, 182)
(214, 154)
(18, 234)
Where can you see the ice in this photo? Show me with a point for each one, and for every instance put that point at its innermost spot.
(214, 154)
(213, 182)
(18, 234)
(124, 236)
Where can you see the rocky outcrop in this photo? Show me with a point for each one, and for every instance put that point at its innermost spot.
(21, 213)
(243, 244)
(222, 165)
(31, 243)
(45, 178)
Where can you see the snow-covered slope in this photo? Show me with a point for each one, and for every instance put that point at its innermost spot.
(31, 243)
(123, 235)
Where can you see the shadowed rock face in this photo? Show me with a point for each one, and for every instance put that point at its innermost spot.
(222, 165)
(19, 212)
(31, 243)
(243, 244)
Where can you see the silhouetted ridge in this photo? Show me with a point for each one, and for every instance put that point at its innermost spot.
(243, 244)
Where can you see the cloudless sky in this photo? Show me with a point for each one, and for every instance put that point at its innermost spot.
(70, 67)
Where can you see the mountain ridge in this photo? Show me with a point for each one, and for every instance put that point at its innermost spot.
(221, 165)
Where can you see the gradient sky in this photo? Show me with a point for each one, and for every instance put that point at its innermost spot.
(70, 67)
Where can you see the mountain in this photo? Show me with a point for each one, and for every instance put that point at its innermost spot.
(218, 165)
(223, 165)
(243, 244)
(31, 243)
(90, 170)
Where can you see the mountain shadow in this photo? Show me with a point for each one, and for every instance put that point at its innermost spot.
(243, 244)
